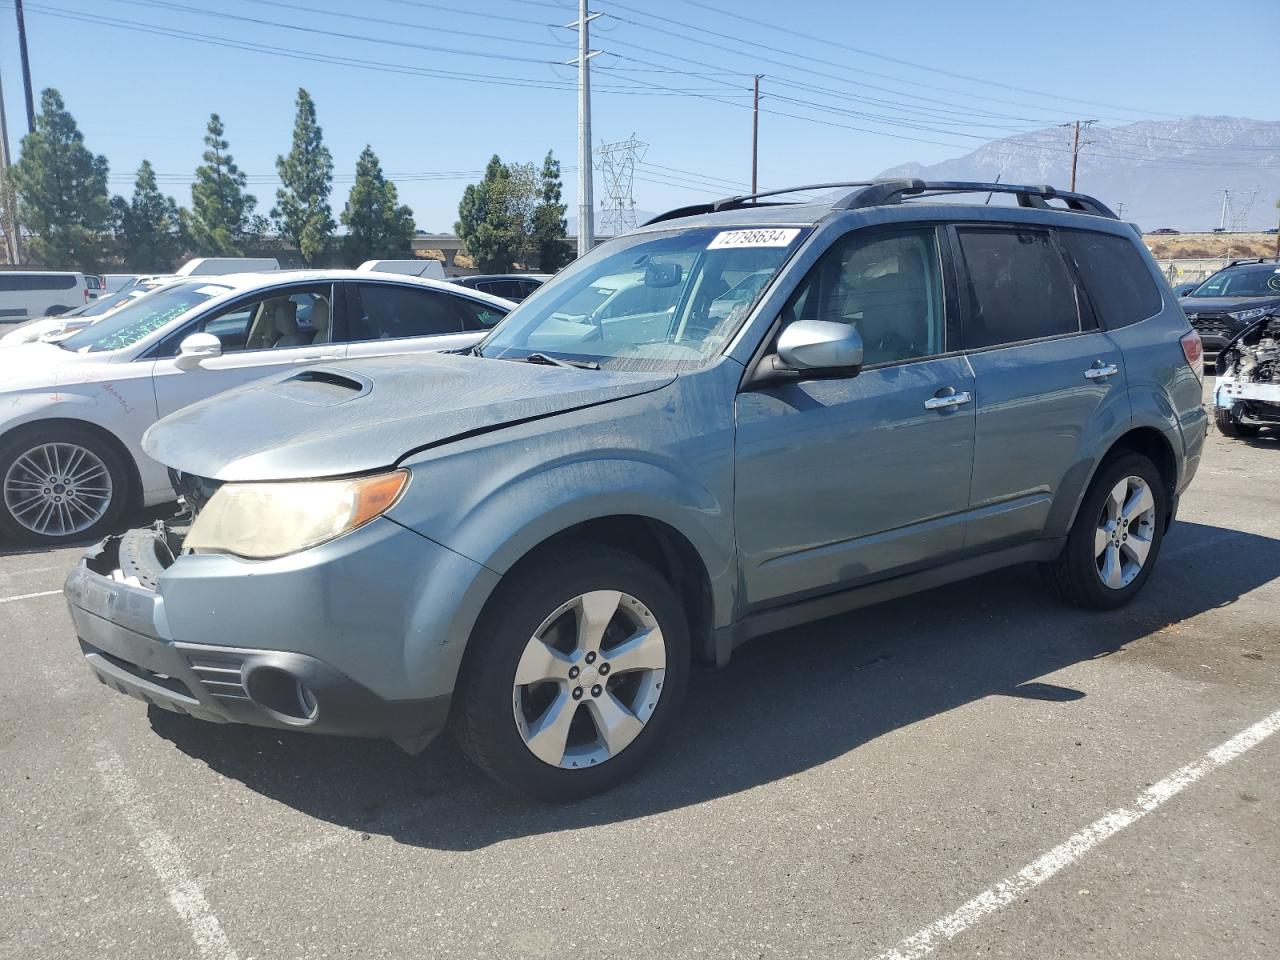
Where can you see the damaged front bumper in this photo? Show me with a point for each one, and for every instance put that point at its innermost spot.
(126, 634)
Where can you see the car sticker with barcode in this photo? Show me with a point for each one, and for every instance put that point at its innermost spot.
(729, 239)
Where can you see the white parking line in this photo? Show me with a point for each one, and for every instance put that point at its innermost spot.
(1065, 854)
(164, 857)
(29, 596)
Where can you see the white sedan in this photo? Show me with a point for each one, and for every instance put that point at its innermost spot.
(72, 412)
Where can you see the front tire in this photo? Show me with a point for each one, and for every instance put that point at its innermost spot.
(1115, 540)
(60, 484)
(575, 672)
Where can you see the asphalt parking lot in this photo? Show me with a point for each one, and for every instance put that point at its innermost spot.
(977, 771)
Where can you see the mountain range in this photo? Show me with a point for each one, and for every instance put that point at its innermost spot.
(1166, 173)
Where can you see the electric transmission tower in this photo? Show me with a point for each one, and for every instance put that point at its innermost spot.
(617, 163)
(1239, 209)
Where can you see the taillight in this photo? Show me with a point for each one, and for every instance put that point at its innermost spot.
(86, 294)
(1193, 350)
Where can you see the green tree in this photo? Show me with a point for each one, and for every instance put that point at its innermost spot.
(222, 221)
(495, 217)
(152, 229)
(549, 225)
(379, 227)
(302, 213)
(62, 192)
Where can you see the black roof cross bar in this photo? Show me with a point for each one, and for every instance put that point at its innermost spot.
(892, 191)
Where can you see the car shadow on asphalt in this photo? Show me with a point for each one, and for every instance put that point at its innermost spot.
(785, 704)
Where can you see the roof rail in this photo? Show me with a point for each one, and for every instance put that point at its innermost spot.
(747, 199)
(1237, 263)
(892, 191)
(874, 193)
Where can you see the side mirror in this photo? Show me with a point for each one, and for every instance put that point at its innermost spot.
(821, 345)
(196, 349)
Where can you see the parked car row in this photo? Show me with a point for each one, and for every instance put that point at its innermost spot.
(738, 417)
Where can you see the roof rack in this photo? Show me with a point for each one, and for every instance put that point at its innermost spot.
(1237, 263)
(874, 193)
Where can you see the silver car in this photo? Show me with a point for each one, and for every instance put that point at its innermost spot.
(801, 409)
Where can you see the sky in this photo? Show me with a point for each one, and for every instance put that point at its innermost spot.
(849, 88)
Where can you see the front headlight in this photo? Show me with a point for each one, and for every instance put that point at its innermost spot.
(264, 520)
(1246, 315)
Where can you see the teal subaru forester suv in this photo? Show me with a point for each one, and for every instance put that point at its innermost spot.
(742, 416)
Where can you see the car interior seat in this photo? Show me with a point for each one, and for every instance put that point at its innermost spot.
(285, 317)
(320, 320)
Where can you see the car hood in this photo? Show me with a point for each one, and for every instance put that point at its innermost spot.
(1226, 304)
(39, 364)
(364, 415)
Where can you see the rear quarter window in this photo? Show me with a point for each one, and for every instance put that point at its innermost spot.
(1116, 276)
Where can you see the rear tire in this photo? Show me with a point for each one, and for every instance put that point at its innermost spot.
(587, 717)
(1115, 540)
(60, 484)
(1228, 426)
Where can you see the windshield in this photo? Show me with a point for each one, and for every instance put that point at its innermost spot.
(655, 301)
(149, 313)
(104, 304)
(1259, 281)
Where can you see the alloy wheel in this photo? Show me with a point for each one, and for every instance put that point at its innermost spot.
(589, 679)
(58, 489)
(1125, 530)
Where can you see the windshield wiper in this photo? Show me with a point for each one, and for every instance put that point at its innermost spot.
(551, 361)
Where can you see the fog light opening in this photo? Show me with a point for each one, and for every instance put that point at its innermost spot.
(280, 692)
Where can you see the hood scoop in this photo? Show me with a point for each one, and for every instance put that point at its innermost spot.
(322, 388)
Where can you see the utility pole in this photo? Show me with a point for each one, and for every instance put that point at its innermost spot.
(586, 205)
(26, 67)
(755, 134)
(1120, 209)
(13, 235)
(1226, 200)
(1075, 148)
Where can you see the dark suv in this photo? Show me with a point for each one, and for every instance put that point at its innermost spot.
(742, 416)
(1231, 299)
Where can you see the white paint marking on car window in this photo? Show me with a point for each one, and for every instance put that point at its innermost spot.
(164, 857)
(945, 928)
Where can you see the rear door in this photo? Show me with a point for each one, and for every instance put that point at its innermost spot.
(1048, 378)
(389, 318)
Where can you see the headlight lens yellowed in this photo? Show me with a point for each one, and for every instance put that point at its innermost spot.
(264, 520)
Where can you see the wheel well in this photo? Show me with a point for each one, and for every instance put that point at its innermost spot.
(99, 433)
(1151, 444)
(662, 547)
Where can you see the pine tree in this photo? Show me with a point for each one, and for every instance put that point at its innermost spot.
(222, 221)
(495, 216)
(62, 192)
(379, 227)
(151, 227)
(549, 225)
(302, 213)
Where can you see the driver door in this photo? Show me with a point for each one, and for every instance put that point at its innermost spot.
(847, 479)
(264, 333)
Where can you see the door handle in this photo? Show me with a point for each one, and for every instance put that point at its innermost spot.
(948, 401)
(314, 359)
(1108, 370)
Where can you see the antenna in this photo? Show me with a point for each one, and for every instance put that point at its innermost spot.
(617, 163)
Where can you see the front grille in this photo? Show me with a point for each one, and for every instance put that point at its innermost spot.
(1211, 324)
(221, 675)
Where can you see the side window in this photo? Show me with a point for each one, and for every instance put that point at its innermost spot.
(1116, 276)
(275, 321)
(389, 312)
(477, 315)
(10, 283)
(888, 285)
(1016, 286)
